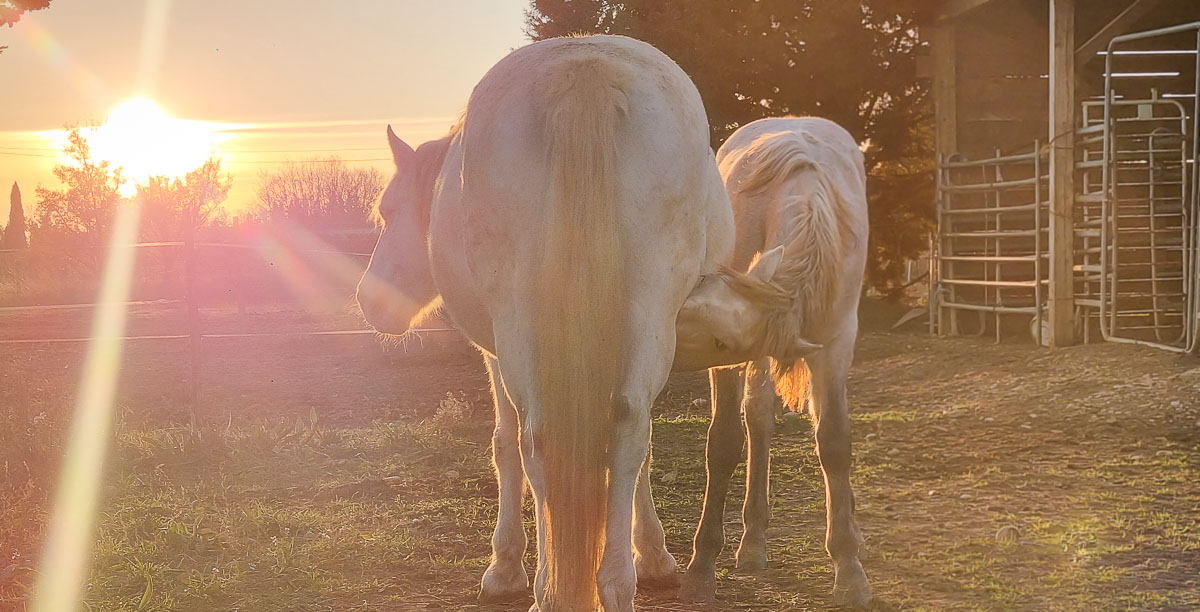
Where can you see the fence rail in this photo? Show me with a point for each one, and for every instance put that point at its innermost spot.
(990, 251)
(190, 302)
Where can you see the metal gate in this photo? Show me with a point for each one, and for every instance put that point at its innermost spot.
(991, 250)
(1136, 211)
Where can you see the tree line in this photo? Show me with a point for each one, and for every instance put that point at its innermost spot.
(317, 194)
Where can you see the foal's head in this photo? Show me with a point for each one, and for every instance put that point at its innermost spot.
(731, 318)
(397, 288)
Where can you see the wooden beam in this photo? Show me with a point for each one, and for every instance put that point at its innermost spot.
(945, 127)
(1062, 172)
(1099, 41)
(953, 9)
(945, 89)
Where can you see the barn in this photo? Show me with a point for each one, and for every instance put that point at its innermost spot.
(1067, 184)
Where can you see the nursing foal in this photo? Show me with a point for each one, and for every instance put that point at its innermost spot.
(798, 189)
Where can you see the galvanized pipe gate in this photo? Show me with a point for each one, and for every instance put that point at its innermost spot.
(1136, 213)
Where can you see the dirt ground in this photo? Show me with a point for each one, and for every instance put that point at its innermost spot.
(325, 473)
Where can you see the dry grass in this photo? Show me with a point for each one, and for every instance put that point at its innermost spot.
(324, 475)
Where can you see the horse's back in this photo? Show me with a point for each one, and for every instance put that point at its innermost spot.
(673, 215)
(821, 140)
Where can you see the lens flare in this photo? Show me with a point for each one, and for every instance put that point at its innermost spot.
(64, 562)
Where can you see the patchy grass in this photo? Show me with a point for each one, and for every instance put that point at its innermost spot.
(362, 483)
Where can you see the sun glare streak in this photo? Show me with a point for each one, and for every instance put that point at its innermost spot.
(57, 55)
(154, 35)
(69, 534)
(310, 265)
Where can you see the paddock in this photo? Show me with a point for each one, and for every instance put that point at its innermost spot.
(361, 480)
(270, 452)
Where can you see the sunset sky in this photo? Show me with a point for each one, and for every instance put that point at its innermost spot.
(277, 79)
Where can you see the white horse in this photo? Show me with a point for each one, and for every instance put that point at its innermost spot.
(798, 190)
(563, 223)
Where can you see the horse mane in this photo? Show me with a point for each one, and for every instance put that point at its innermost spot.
(429, 159)
(812, 233)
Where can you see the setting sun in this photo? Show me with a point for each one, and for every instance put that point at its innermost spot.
(144, 141)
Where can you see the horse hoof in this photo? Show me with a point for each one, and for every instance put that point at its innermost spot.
(851, 589)
(751, 559)
(698, 587)
(616, 588)
(500, 583)
(660, 574)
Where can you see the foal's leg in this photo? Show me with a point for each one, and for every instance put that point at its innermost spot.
(505, 576)
(723, 452)
(655, 566)
(832, 416)
(759, 405)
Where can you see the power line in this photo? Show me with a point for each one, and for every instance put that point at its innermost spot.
(27, 154)
(246, 161)
(232, 150)
(307, 150)
(307, 161)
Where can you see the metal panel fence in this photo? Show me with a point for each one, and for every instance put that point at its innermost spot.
(990, 259)
(1135, 256)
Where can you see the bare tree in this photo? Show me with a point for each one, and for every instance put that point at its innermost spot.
(320, 194)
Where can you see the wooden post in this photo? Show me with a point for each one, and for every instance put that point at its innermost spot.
(193, 308)
(945, 89)
(1062, 172)
(945, 100)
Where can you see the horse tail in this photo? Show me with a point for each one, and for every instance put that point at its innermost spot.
(581, 325)
(793, 383)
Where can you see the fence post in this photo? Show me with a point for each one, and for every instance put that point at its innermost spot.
(1061, 300)
(193, 309)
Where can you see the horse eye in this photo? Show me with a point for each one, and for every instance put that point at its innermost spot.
(720, 345)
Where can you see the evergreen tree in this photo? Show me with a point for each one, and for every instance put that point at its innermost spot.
(14, 233)
(852, 62)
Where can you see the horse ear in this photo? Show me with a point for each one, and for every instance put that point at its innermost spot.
(764, 267)
(401, 152)
(801, 348)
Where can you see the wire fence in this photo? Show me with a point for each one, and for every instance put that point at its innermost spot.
(191, 302)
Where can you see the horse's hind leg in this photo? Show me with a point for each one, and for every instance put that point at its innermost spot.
(843, 539)
(505, 577)
(759, 405)
(654, 564)
(723, 452)
(617, 578)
